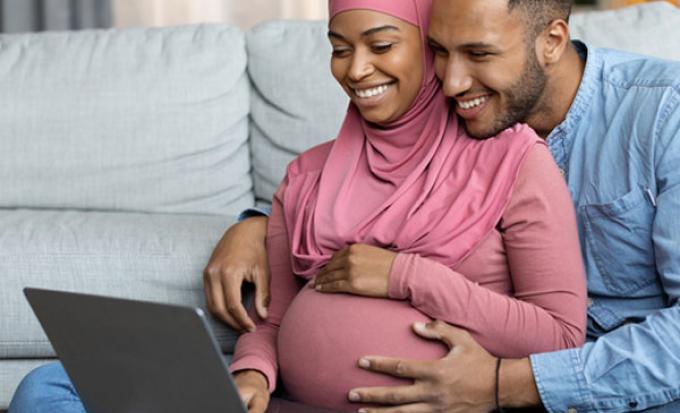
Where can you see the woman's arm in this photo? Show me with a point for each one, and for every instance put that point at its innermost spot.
(548, 310)
(257, 350)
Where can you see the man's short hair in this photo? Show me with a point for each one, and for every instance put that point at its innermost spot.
(539, 13)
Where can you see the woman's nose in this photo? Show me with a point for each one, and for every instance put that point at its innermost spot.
(360, 68)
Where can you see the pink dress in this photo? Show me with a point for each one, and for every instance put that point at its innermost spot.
(521, 291)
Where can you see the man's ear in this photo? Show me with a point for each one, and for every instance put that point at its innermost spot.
(552, 42)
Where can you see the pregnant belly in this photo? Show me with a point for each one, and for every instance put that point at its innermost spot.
(323, 336)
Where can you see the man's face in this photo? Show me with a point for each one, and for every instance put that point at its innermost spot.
(485, 63)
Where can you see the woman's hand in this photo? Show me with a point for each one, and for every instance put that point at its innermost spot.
(253, 389)
(358, 269)
(239, 256)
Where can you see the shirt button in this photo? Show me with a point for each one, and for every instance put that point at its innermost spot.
(590, 302)
(563, 172)
(571, 410)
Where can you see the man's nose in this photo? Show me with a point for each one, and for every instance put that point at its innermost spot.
(457, 78)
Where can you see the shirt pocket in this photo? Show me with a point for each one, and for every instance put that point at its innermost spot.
(619, 241)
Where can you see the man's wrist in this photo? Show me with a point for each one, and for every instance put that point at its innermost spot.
(517, 387)
(258, 225)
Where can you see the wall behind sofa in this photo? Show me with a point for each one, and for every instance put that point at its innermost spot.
(244, 14)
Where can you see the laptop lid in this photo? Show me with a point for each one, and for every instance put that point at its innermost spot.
(132, 356)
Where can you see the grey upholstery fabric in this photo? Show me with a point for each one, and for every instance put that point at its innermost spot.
(153, 257)
(148, 120)
(650, 29)
(296, 103)
(36, 15)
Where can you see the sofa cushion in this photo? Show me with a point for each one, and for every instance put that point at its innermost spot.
(156, 257)
(650, 29)
(150, 120)
(296, 103)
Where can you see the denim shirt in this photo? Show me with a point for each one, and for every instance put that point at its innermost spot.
(619, 148)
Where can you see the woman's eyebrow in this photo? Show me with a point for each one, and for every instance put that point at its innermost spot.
(366, 33)
(336, 35)
(379, 29)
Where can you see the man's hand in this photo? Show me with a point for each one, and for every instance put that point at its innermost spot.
(240, 256)
(357, 269)
(253, 389)
(462, 381)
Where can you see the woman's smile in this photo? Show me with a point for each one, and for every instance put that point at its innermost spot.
(372, 96)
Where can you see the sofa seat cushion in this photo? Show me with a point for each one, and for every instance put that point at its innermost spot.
(151, 257)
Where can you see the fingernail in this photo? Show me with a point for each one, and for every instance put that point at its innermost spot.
(317, 288)
(365, 363)
(353, 396)
(363, 411)
(420, 326)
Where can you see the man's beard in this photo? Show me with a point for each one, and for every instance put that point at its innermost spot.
(522, 98)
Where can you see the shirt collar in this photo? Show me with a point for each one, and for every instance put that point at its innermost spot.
(584, 95)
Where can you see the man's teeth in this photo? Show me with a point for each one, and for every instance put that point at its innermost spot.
(473, 103)
(367, 93)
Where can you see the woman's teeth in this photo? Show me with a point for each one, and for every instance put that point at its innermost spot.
(473, 103)
(368, 93)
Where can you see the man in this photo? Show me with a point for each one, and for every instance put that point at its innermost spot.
(612, 123)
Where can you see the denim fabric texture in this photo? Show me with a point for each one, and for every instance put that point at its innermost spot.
(255, 212)
(46, 389)
(619, 148)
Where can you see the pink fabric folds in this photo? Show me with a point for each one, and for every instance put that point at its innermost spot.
(419, 185)
(406, 10)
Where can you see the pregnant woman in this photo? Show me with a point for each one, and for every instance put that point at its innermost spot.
(480, 233)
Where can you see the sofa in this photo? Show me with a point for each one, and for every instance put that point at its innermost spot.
(125, 154)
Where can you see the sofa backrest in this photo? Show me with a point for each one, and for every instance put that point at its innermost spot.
(151, 120)
(296, 103)
(652, 29)
(156, 120)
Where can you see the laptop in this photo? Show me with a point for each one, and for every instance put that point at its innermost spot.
(132, 356)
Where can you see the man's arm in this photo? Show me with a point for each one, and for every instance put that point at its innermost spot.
(239, 257)
(637, 365)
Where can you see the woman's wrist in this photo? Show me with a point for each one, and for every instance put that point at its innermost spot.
(253, 377)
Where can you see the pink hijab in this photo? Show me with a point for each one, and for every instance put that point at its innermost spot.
(419, 185)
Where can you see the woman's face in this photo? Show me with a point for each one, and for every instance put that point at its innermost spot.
(377, 59)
